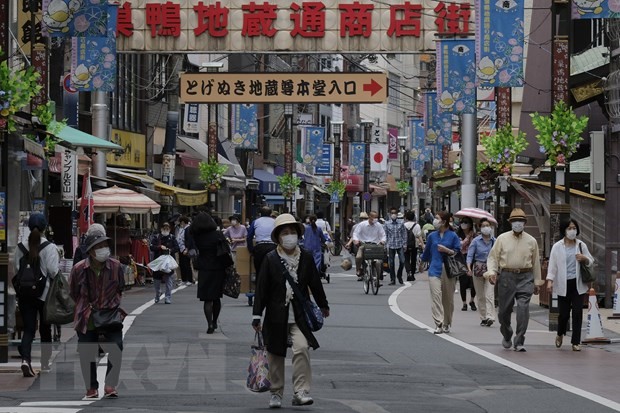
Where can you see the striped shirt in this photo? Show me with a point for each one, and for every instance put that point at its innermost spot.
(106, 289)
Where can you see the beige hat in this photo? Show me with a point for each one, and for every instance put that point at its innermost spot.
(283, 220)
(363, 215)
(346, 264)
(517, 214)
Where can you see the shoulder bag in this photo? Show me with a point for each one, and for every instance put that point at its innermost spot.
(480, 267)
(312, 312)
(455, 265)
(59, 306)
(586, 272)
(232, 283)
(104, 319)
(223, 251)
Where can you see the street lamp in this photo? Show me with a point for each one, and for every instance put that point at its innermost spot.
(337, 132)
(402, 143)
(288, 147)
(367, 125)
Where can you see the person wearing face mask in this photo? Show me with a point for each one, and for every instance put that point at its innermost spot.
(284, 316)
(185, 265)
(514, 264)
(236, 234)
(99, 280)
(161, 244)
(396, 236)
(440, 243)
(466, 233)
(564, 276)
(369, 231)
(477, 265)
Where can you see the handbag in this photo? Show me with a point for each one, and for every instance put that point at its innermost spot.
(104, 319)
(312, 313)
(258, 370)
(455, 265)
(59, 306)
(480, 268)
(585, 271)
(223, 252)
(232, 283)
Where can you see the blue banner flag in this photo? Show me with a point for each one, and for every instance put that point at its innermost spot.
(313, 146)
(438, 125)
(499, 42)
(456, 76)
(419, 152)
(596, 9)
(325, 165)
(75, 18)
(244, 126)
(356, 160)
(93, 66)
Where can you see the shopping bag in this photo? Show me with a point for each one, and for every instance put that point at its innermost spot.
(164, 263)
(59, 306)
(258, 371)
(232, 283)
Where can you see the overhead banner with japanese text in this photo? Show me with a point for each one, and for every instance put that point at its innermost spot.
(244, 126)
(324, 166)
(438, 125)
(419, 152)
(456, 76)
(75, 18)
(313, 145)
(356, 160)
(93, 66)
(596, 9)
(499, 42)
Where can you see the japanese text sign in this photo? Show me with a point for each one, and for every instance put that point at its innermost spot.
(456, 76)
(68, 179)
(368, 87)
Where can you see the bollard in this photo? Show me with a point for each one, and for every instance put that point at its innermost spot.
(594, 330)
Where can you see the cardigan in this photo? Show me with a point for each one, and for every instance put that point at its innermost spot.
(557, 267)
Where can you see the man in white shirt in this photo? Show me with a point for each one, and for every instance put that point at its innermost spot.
(370, 231)
(324, 225)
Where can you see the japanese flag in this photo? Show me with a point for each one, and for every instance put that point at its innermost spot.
(87, 205)
(378, 157)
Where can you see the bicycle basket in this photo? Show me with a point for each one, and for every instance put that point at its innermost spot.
(373, 252)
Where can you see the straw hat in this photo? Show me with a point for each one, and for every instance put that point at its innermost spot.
(517, 214)
(363, 215)
(283, 220)
(346, 264)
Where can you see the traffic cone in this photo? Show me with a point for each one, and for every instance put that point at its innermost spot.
(616, 313)
(594, 330)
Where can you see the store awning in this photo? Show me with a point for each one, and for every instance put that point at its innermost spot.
(115, 199)
(75, 138)
(268, 182)
(197, 149)
(184, 197)
(320, 190)
(377, 191)
(55, 163)
(391, 181)
(232, 182)
(188, 161)
(274, 199)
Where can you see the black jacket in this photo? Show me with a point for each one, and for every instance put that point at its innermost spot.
(206, 244)
(270, 296)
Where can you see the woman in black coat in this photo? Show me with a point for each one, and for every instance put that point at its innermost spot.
(285, 322)
(211, 271)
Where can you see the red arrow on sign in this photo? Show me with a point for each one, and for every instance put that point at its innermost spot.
(373, 87)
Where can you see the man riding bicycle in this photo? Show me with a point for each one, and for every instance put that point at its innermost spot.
(370, 231)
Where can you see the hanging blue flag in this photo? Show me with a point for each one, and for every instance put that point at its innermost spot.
(325, 163)
(75, 18)
(499, 41)
(596, 9)
(438, 125)
(244, 126)
(313, 145)
(93, 66)
(356, 160)
(456, 76)
(419, 152)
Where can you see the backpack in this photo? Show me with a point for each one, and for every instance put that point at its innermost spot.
(411, 239)
(29, 282)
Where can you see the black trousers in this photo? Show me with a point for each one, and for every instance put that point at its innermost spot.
(260, 251)
(31, 309)
(411, 260)
(185, 266)
(466, 282)
(88, 348)
(572, 301)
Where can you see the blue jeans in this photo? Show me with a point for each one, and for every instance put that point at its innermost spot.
(401, 259)
(88, 347)
(169, 280)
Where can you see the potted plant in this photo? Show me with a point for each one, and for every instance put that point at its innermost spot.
(17, 88)
(559, 133)
(44, 116)
(336, 186)
(211, 174)
(288, 184)
(502, 148)
(403, 188)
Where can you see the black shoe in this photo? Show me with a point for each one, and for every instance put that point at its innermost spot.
(473, 306)
(400, 281)
(210, 330)
(489, 323)
(464, 308)
(484, 322)
(360, 278)
(392, 283)
(215, 325)
(410, 278)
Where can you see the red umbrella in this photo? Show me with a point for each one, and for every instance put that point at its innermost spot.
(476, 213)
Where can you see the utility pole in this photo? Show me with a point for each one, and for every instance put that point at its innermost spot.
(4, 171)
(367, 125)
(469, 143)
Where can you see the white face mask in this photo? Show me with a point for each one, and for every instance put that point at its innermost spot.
(437, 223)
(464, 226)
(571, 234)
(289, 241)
(165, 233)
(102, 254)
(371, 221)
(518, 226)
(393, 216)
(486, 231)
(233, 222)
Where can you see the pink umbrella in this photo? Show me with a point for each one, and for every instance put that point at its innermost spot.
(476, 213)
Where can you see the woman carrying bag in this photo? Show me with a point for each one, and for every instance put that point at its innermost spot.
(564, 276)
(274, 295)
(477, 255)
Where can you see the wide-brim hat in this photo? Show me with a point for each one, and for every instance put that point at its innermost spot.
(93, 240)
(517, 214)
(363, 215)
(283, 220)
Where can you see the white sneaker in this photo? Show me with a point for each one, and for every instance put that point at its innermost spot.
(189, 283)
(302, 398)
(438, 330)
(275, 402)
(446, 329)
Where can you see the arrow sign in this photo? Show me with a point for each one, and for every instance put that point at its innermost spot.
(373, 87)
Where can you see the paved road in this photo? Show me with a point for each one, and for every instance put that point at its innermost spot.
(376, 356)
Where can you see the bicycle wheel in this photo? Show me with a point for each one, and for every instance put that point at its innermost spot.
(374, 279)
(366, 282)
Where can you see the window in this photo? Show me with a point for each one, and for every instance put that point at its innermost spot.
(394, 92)
(126, 109)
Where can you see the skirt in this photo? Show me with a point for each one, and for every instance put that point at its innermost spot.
(210, 284)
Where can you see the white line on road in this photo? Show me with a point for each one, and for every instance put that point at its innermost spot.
(393, 302)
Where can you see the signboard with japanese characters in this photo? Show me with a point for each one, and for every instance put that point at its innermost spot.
(191, 118)
(68, 178)
(231, 26)
(134, 146)
(368, 87)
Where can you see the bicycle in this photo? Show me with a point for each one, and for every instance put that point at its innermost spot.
(372, 254)
(420, 265)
